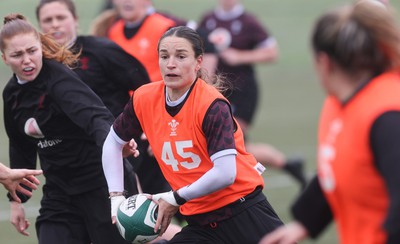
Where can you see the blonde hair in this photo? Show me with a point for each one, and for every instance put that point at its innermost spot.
(15, 24)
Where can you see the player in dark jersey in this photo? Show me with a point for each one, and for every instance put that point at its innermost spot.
(108, 70)
(357, 58)
(109, 15)
(210, 53)
(50, 113)
(242, 42)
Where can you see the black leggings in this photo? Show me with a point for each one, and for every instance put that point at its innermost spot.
(79, 219)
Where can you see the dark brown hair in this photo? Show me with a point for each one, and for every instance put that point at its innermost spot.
(198, 47)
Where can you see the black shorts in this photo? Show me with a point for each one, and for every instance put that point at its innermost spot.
(247, 226)
(244, 102)
(80, 219)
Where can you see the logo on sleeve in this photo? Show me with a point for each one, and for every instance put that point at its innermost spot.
(32, 129)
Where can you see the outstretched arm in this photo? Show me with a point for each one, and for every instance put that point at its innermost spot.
(13, 178)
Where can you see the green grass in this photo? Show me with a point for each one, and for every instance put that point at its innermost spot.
(290, 93)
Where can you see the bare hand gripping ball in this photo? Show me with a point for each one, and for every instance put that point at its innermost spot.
(136, 218)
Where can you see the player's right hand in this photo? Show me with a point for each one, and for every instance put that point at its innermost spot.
(18, 219)
(290, 233)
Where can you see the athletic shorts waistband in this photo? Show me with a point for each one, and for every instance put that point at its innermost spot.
(227, 211)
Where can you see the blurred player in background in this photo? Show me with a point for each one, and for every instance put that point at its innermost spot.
(110, 15)
(242, 42)
(357, 58)
(210, 58)
(137, 31)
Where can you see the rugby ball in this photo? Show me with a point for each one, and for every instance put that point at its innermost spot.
(136, 218)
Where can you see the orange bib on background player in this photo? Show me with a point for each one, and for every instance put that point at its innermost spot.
(180, 147)
(347, 172)
(143, 45)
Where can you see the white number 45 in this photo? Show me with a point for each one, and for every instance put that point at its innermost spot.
(168, 156)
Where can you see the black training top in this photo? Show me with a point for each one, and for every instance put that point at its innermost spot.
(109, 71)
(73, 124)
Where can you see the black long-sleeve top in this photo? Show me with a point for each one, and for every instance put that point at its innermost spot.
(109, 71)
(74, 123)
(312, 209)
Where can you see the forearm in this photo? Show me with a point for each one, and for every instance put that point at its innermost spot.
(4, 172)
(220, 176)
(112, 162)
(312, 210)
(258, 55)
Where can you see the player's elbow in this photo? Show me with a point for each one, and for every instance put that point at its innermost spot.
(271, 55)
(230, 179)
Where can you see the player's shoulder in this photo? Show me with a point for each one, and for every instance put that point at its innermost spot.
(10, 86)
(95, 42)
(102, 47)
(250, 17)
(52, 68)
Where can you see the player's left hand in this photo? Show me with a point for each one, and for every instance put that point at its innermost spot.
(167, 208)
(130, 149)
(18, 219)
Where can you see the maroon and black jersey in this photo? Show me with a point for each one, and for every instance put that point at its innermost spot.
(247, 33)
(73, 124)
(109, 71)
